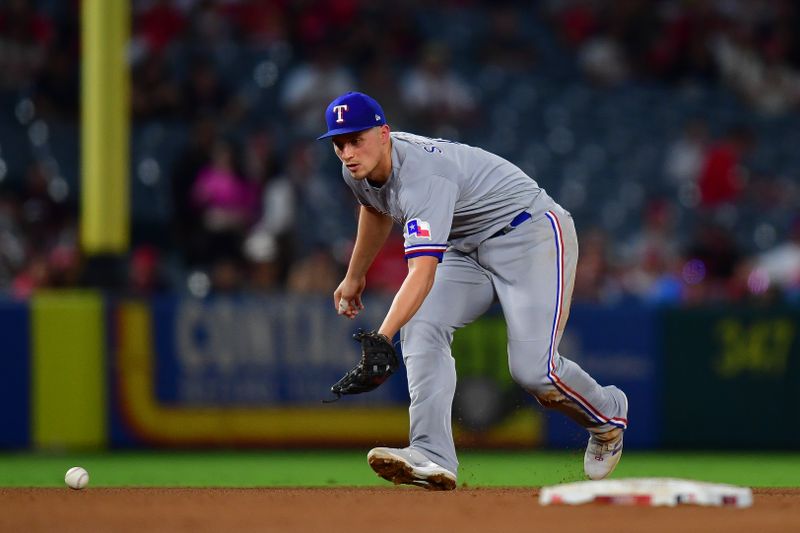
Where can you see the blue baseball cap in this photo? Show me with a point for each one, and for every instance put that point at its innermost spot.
(352, 112)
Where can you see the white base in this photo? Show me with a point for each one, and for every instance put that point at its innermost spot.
(647, 491)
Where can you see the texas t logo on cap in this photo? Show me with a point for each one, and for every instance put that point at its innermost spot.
(352, 112)
(339, 110)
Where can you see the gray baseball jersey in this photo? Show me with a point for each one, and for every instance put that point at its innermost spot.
(449, 194)
(452, 199)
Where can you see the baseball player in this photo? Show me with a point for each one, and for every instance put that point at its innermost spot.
(477, 229)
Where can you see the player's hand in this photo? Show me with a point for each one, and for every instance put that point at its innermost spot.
(347, 297)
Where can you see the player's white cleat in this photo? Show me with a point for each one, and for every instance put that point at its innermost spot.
(602, 455)
(410, 467)
(604, 451)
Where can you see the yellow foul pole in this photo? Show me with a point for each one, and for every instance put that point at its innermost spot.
(105, 112)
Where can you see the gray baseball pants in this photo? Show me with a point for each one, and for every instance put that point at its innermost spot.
(531, 271)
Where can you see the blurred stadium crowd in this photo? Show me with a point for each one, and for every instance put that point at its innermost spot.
(670, 129)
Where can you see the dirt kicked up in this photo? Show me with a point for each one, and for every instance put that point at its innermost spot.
(355, 510)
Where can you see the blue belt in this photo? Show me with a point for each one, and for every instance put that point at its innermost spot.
(519, 219)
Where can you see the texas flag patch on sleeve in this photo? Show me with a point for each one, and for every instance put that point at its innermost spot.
(418, 228)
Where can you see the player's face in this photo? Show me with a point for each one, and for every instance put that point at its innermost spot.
(364, 153)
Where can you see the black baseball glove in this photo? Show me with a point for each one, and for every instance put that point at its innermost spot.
(378, 362)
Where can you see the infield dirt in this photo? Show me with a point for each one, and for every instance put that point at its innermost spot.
(369, 509)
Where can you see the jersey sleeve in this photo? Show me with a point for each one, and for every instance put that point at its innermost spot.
(428, 212)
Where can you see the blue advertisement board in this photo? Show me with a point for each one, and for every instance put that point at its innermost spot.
(245, 371)
(259, 351)
(15, 373)
(617, 346)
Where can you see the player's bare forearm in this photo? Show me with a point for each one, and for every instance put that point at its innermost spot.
(373, 229)
(415, 288)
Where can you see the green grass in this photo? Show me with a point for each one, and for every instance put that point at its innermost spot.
(349, 468)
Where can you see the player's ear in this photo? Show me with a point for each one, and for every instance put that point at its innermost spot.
(384, 132)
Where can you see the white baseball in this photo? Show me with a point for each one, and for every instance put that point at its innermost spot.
(343, 305)
(77, 477)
